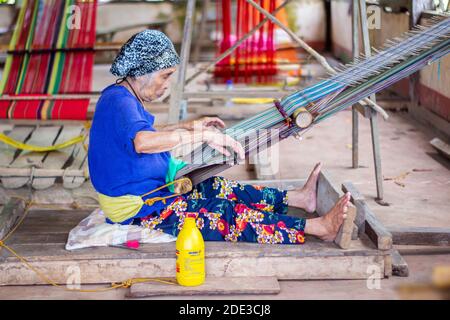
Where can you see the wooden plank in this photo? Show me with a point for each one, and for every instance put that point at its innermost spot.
(420, 236)
(57, 159)
(442, 147)
(388, 265)
(366, 220)
(80, 162)
(46, 173)
(376, 231)
(104, 270)
(327, 194)
(41, 136)
(358, 200)
(344, 236)
(212, 286)
(399, 266)
(19, 133)
(11, 212)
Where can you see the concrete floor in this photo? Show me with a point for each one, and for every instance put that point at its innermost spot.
(424, 200)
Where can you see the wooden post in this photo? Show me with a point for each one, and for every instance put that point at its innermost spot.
(201, 32)
(355, 122)
(178, 88)
(373, 117)
(416, 7)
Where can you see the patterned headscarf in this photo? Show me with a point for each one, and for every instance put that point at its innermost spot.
(145, 52)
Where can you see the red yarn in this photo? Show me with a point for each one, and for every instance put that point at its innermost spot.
(254, 59)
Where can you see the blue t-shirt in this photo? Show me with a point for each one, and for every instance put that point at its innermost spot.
(115, 168)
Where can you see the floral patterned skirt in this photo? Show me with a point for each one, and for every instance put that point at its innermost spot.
(230, 211)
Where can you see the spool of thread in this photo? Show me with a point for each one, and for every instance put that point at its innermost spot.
(302, 118)
(184, 185)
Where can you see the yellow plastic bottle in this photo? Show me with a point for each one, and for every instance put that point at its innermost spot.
(190, 251)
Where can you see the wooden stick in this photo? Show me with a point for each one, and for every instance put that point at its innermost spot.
(178, 87)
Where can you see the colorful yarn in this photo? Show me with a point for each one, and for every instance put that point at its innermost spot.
(254, 60)
(50, 53)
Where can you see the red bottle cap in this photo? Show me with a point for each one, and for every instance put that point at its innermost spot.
(134, 244)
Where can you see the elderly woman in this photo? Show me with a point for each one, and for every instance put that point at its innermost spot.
(130, 163)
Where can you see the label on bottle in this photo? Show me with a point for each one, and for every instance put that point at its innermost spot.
(191, 263)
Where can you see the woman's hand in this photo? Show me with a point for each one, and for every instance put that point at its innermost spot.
(212, 122)
(208, 123)
(221, 142)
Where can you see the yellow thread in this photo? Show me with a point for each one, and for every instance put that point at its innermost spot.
(184, 185)
(24, 146)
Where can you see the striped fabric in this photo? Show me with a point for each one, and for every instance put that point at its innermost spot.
(51, 52)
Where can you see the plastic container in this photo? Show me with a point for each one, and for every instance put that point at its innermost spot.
(190, 251)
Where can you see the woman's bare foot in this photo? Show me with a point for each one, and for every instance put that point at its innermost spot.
(305, 198)
(327, 226)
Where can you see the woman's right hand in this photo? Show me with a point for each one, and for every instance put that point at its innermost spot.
(221, 142)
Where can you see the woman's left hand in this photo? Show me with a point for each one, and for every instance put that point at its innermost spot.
(211, 123)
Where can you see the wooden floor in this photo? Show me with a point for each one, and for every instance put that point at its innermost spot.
(41, 240)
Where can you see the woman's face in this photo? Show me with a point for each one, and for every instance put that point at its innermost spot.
(155, 85)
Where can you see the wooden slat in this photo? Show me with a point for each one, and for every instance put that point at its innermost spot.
(19, 133)
(11, 212)
(366, 220)
(399, 266)
(57, 159)
(376, 231)
(441, 146)
(358, 200)
(41, 136)
(327, 196)
(344, 236)
(212, 286)
(420, 236)
(79, 163)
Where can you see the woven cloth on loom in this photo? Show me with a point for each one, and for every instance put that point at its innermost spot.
(354, 82)
(254, 59)
(51, 52)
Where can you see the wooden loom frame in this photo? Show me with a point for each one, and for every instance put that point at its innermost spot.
(368, 108)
